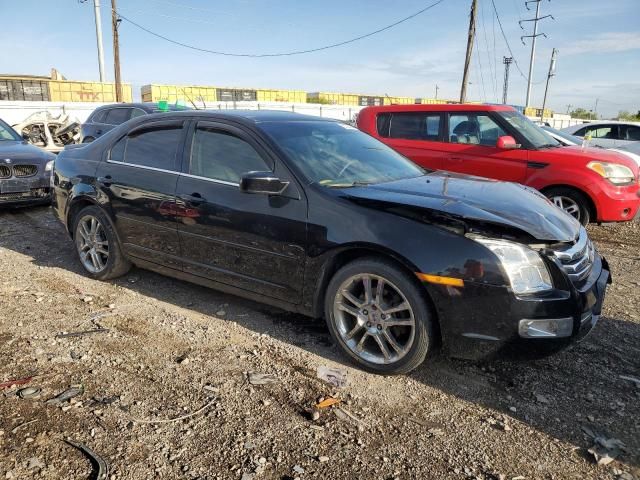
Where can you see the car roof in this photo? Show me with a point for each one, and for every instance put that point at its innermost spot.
(243, 116)
(148, 107)
(602, 122)
(439, 107)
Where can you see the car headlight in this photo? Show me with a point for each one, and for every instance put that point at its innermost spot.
(614, 172)
(525, 268)
(49, 166)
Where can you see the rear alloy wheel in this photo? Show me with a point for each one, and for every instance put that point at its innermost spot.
(97, 245)
(572, 202)
(379, 317)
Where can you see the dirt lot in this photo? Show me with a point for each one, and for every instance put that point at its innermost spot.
(173, 348)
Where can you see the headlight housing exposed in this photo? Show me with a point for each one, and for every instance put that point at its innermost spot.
(525, 268)
(49, 166)
(614, 172)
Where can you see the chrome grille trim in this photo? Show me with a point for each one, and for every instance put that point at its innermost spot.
(5, 172)
(577, 259)
(24, 170)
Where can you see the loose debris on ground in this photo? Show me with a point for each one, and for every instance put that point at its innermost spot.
(182, 382)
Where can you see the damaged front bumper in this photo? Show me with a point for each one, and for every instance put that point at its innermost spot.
(26, 191)
(483, 321)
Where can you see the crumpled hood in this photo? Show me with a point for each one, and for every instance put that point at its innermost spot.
(477, 199)
(23, 151)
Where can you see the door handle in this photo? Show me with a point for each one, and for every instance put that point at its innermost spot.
(456, 159)
(98, 132)
(193, 199)
(105, 181)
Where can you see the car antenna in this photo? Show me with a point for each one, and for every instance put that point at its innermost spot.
(189, 98)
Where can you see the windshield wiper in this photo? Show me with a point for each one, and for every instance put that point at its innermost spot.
(348, 185)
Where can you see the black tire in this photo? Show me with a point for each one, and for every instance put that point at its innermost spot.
(424, 340)
(116, 264)
(88, 139)
(581, 200)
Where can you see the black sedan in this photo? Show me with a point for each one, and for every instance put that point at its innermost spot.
(316, 217)
(25, 170)
(108, 117)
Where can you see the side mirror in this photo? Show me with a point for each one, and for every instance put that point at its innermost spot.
(262, 182)
(26, 137)
(507, 142)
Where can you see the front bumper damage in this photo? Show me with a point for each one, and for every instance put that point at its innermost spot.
(481, 322)
(26, 191)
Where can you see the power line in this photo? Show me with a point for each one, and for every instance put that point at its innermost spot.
(486, 42)
(515, 62)
(282, 54)
(484, 93)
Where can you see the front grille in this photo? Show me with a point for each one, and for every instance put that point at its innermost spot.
(5, 172)
(577, 258)
(25, 170)
(35, 193)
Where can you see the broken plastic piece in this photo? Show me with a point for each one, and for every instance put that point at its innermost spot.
(261, 378)
(327, 402)
(82, 333)
(11, 383)
(333, 376)
(68, 394)
(100, 467)
(29, 393)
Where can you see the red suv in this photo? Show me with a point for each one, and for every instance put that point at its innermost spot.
(496, 141)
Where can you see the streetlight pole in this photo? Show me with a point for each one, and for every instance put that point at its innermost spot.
(96, 9)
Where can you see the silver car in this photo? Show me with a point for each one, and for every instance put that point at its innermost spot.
(607, 134)
(631, 149)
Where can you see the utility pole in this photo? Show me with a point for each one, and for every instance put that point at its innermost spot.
(552, 72)
(569, 107)
(505, 88)
(595, 110)
(96, 10)
(437, 88)
(116, 50)
(467, 61)
(533, 41)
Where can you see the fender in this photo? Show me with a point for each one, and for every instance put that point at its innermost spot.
(571, 177)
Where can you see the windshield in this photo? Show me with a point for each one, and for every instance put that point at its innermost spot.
(8, 133)
(570, 139)
(338, 155)
(533, 133)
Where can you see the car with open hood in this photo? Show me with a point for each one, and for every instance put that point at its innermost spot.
(496, 141)
(25, 170)
(315, 217)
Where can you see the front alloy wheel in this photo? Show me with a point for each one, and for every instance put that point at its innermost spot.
(568, 205)
(374, 318)
(379, 315)
(571, 201)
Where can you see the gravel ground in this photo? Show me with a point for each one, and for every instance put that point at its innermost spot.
(166, 391)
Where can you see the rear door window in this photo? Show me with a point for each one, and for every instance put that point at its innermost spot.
(98, 117)
(630, 132)
(156, 147)
(603, 131)
(137, 112)
(116, 116)
(411, 126)
(474, 129)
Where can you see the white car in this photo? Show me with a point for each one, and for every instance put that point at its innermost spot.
(607, 134)
(631, 149)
